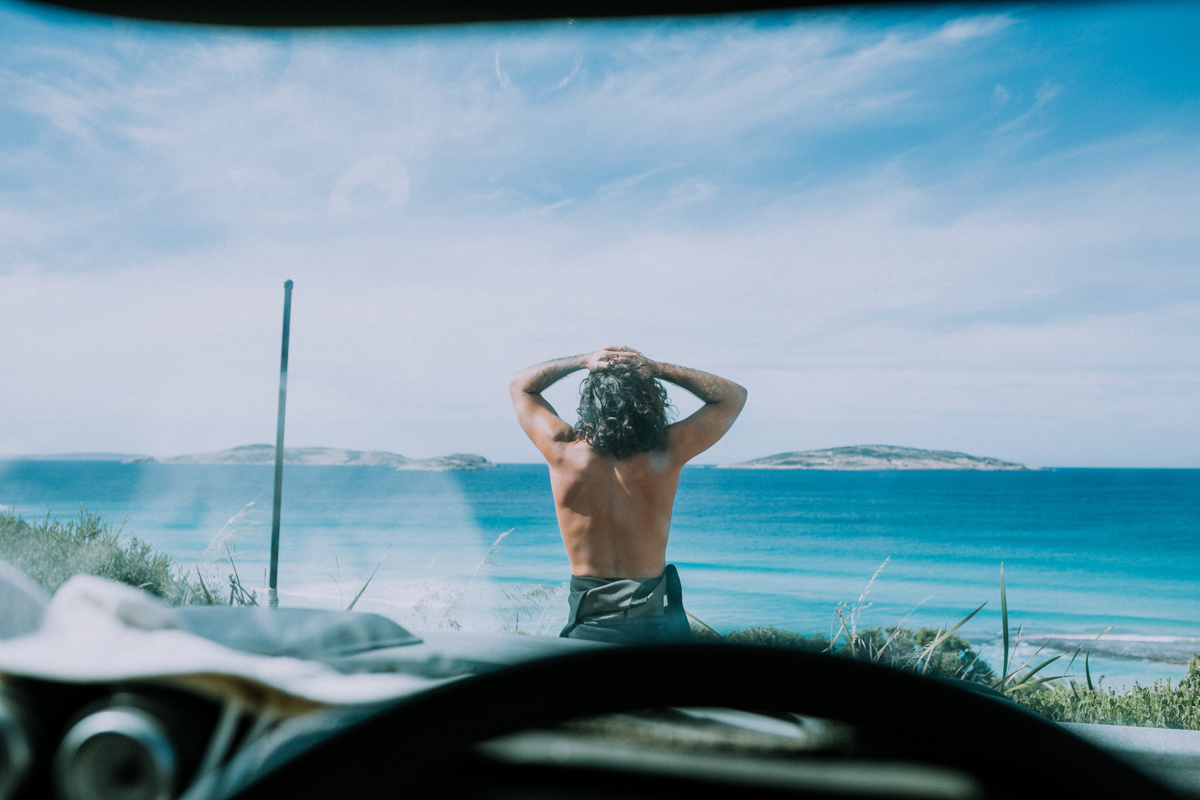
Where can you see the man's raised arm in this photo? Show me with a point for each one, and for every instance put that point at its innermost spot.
(723, 401)
(538, 418)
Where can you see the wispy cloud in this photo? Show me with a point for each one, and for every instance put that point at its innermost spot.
(965, 29)
(1044, 94)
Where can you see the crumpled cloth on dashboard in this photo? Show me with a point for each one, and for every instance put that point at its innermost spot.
(97, 631)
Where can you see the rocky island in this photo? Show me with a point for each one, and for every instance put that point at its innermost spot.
(865, 457)
(326, 456)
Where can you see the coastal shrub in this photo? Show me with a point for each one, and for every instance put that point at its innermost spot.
(899, 647)
(1160, 705)
(51, 551)
(774, 637)
(950, 656)
(1164, 704)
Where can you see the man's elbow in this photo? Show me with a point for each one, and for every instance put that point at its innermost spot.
(733, 396)
(518, 385)
(740, 395)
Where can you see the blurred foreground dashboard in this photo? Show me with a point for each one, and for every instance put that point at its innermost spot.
(499, 716)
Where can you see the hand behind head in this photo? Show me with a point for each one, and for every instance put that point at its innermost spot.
(611, 354)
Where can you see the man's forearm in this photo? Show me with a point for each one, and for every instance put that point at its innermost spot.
(708, 387)
(538, 378)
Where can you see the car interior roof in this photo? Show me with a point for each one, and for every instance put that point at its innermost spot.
(322, 13)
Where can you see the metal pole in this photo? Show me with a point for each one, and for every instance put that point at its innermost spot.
(273, 583)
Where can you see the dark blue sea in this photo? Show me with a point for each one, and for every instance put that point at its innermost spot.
(1083, 549)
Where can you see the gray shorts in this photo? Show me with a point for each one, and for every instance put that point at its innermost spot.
(626, 611)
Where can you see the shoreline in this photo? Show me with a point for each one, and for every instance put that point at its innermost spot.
(1159, 649)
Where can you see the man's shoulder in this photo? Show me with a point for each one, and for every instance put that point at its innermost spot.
(581, 459)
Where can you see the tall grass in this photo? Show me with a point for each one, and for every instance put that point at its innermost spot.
(51, 551)
(218, 563)
(929, 651)
(1160, 705)
(362, 589)
(439, 605)
(529, 609)
(535, 609)
(1063, 697)
(935, 652)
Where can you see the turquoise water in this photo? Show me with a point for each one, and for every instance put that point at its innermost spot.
(1083, 549)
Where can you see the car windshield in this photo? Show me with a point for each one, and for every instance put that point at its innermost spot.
(952, 250)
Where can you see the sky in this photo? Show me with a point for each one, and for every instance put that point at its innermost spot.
(963, 228)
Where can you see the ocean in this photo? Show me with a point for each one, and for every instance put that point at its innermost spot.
(1083, 550)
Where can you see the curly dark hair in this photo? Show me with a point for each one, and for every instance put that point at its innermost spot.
(622, 411)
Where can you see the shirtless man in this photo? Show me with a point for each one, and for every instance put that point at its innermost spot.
(614, 477)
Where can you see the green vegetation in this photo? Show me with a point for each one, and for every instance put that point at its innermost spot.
(1061, 698)
(902, 648)
(934, 652)
(1161, 705)
(943, 654)
(51, 551)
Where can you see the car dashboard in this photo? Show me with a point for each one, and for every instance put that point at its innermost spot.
(497, 716)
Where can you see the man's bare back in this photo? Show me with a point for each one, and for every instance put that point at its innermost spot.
(614, 515)
(615, 512)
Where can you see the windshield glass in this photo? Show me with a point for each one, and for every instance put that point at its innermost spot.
(962, 230)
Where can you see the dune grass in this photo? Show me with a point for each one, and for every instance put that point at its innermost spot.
(51, 551)
(1160, 705)
(1068, 698)
(1063, 697)
(925, 650)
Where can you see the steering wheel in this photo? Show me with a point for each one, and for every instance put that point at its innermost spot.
(419, 744)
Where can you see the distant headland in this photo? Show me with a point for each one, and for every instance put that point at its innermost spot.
(324, 456)
(867, 457)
